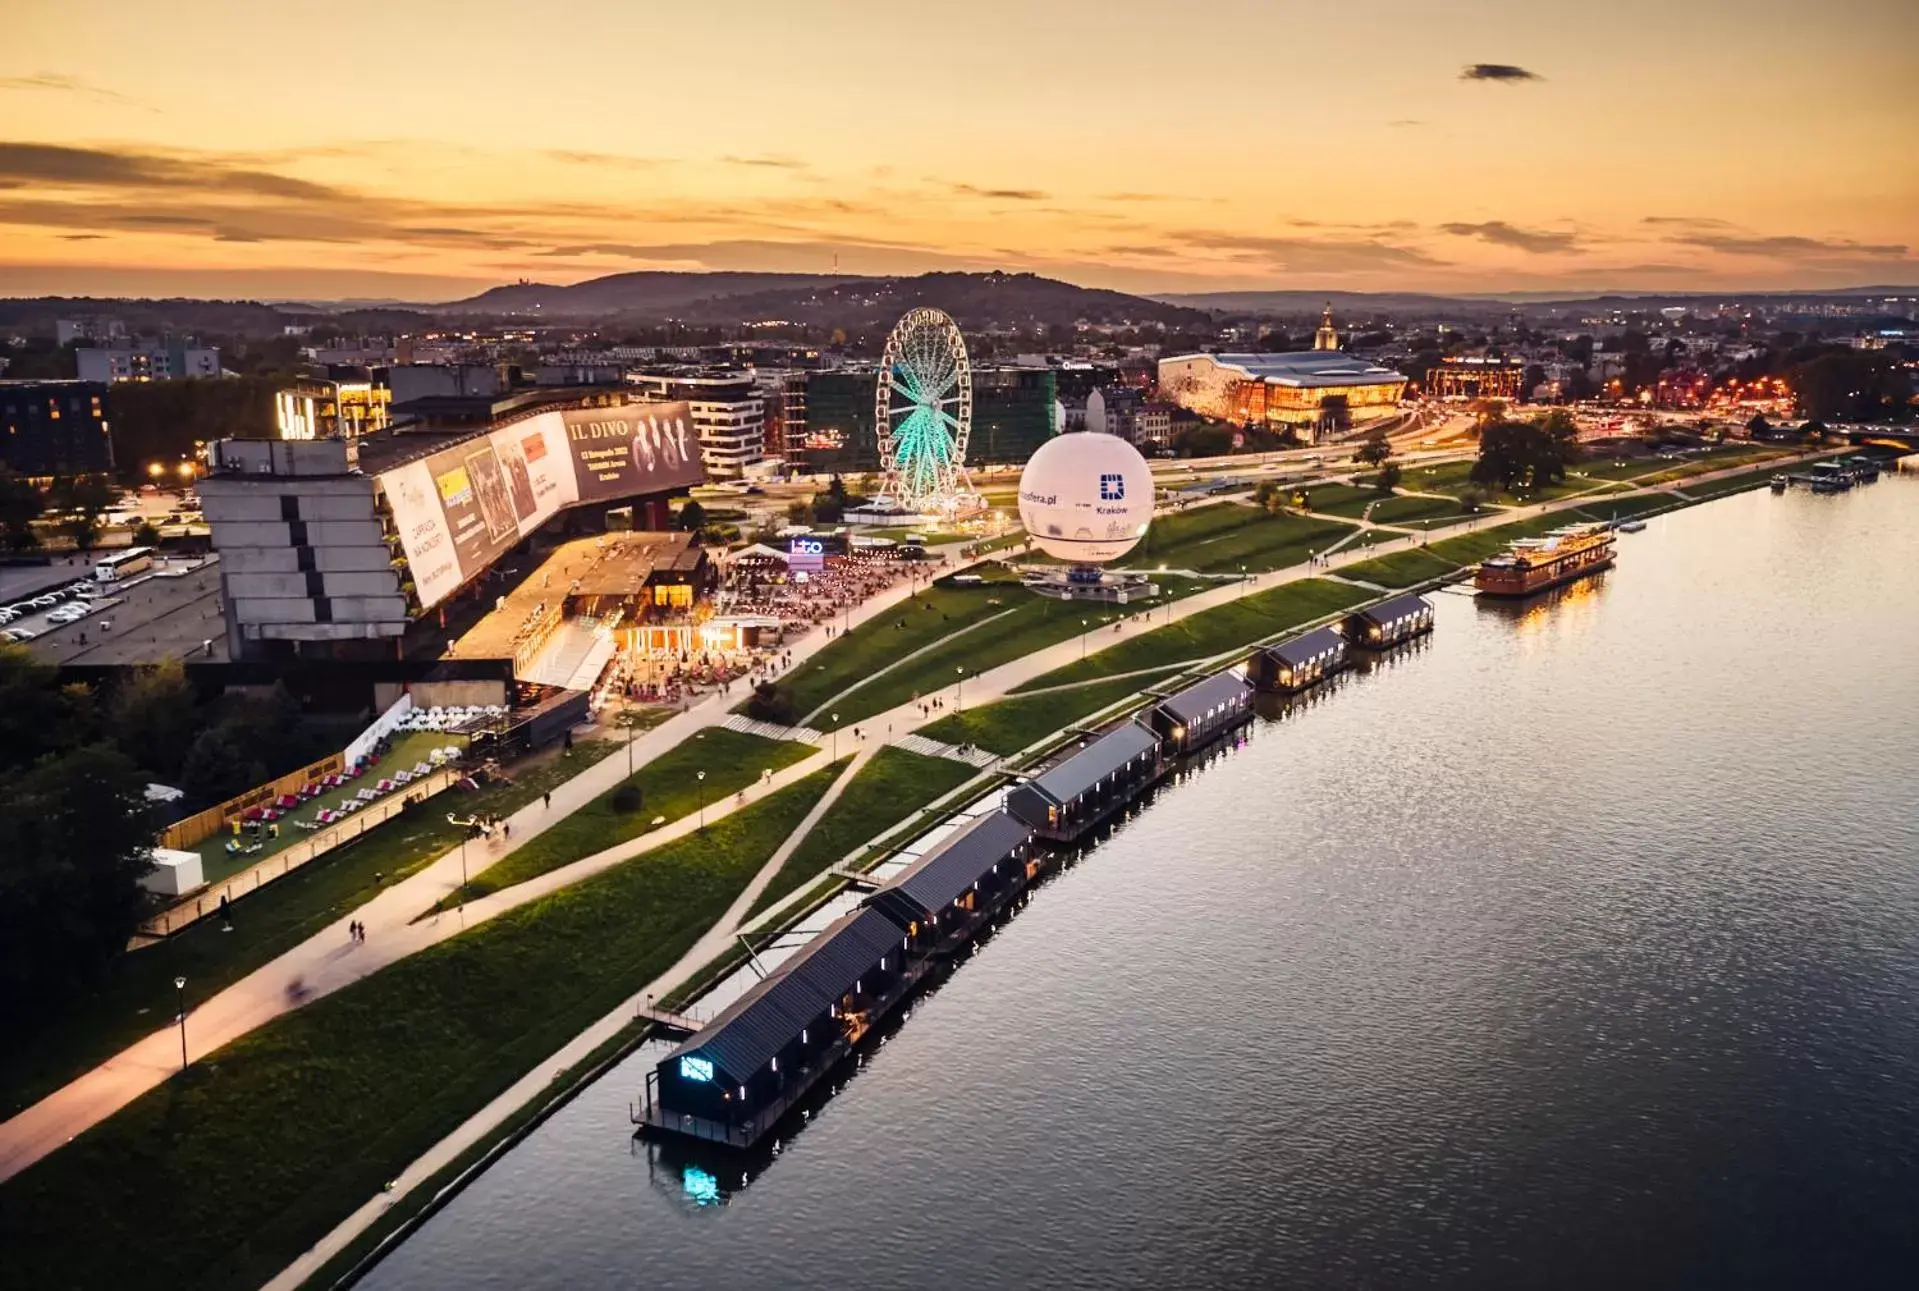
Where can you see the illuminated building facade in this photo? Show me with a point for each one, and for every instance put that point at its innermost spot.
(1312, 392)
(53, 428)
(1477, 377)
(323, 408)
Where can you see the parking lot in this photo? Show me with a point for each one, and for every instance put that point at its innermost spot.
(171, 613)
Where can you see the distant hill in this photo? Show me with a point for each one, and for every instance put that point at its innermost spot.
(974, 299)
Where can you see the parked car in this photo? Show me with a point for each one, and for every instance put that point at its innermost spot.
(44, 602)
(20, 634)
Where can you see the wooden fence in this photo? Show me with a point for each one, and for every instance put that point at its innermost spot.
(207, 900)
(184, 835)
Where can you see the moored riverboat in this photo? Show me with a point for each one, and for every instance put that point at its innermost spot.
(1535, 564)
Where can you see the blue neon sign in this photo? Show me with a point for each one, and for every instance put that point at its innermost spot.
(695, 1069)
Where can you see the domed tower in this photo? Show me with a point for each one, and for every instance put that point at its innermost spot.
(1326, 338)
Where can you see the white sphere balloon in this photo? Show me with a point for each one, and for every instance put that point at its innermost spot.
(1086, 497)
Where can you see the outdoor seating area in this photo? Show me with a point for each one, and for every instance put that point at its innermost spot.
(265, 829)
(454, 717)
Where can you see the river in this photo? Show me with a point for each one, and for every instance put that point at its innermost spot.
(1578, 946)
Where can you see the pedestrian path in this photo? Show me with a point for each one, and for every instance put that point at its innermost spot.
(771, 730)
(971, 756)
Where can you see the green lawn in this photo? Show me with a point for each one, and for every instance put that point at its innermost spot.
(1411, 510)
(930, 616)
(1039, 622)
(137, 996)
(1400, 569)
(1010, 725)
(889, 788)
(1239, 622)
(277, 1137)
(669, 787)
(1258, 541)
(1338, 499)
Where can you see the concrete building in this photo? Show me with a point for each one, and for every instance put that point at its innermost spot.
(50, 428)
(306, 567)
(1111, 410)
(410, 381)
(729, 412)
(147, 361)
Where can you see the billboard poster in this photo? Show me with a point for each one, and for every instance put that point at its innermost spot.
(634, 448)
(421, 518)
(462, 508)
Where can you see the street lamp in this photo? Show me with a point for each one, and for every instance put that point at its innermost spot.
(959, 688)
(626, 715)
(1082, 640)
(1242, 580)
(701, 777)
(836, 737)
(180, 1000)
(465, 834)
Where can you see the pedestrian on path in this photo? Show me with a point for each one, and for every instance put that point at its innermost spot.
(549, 799)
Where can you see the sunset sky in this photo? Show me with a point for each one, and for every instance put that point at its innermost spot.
(423, 150)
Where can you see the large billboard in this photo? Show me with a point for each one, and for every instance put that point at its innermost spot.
(462, 508)
(635, 448)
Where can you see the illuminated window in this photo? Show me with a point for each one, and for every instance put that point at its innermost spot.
(695, 1069)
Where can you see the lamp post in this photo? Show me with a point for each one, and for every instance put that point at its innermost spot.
(701, 777)
(1082, 640)
(180, 999)
(1242, 580)
(465, 834)
(626, 716)
(836, 737)
(959, 688)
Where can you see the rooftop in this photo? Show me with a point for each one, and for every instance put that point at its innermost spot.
(1086, 768)
(614, 565)
(1300, 649)
(938, 878)
(1193, 703)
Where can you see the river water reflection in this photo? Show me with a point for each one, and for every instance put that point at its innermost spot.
(1579, 947)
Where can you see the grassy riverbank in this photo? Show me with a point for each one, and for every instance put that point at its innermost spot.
(892, 785)
(1009, 725)
(1239, 622)
(221, 1178)
(137, 996)
(669, 786)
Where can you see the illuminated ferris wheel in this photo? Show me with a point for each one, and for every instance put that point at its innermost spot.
(923, 413)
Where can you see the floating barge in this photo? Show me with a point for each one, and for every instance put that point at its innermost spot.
(1306, 660)
(1190, 719)
(1535, 564)
(1385, 625)
(1066, 800)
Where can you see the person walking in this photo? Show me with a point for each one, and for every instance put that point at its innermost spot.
(549, 800)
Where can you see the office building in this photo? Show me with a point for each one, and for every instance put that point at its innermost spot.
(51, 428)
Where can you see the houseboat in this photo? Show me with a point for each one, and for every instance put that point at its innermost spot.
(1192, 718)
(1386, 624)
(1534, 564)
(1066, 800)
(734, 1079)
(1292, 666)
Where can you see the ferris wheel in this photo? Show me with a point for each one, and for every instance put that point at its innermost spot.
(923, 413)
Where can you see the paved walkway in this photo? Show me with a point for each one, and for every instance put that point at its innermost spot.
(329, 960)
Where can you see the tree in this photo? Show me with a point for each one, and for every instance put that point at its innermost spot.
(1516, 455)
(75, 838)
(146, 535)
(20, 505)
(799, 512)
(33, 716)
(1374, 451)
(1759, 427)
(692, 516)
(153, 714)
(1388, 477)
